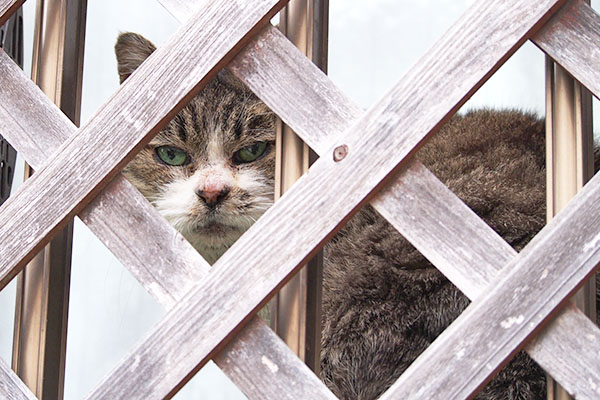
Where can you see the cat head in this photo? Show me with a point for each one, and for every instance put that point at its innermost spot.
(210, 171)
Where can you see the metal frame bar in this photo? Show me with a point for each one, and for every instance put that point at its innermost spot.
(295, 311)
(580, 202)
(39, 348)
(569, 165)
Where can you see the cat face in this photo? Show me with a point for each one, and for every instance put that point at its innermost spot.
(210, 171)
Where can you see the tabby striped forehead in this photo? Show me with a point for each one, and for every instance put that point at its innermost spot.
(231, 118)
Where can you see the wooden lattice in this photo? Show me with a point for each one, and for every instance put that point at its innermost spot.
(517, 297)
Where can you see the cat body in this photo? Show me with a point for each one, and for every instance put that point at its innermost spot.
(210, 172)
(384, 303)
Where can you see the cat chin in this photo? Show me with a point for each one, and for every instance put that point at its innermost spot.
(212, 230)
(213, 240)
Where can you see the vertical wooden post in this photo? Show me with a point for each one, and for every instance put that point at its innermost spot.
(569, 163)
(296, 309)
(39, 347)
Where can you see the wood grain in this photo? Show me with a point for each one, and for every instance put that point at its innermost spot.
(497, 324)
(319, 112)
(454, 248)
(299, 93)
(11, 387)
(265, 368)
(549, 348)
(166, 264)
(7, 8)
(120, 215)
(211, 313)
(181, 9)
(571, 38)
(88, 161)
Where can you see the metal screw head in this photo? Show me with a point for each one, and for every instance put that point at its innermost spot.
(340, 152)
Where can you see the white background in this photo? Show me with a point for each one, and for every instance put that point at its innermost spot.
(372, 45)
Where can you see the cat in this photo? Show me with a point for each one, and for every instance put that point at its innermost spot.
(378, 286)
(210, 172)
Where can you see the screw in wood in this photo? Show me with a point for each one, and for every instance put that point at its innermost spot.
(340, 152)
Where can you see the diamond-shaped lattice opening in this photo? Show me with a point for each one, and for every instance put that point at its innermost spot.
(375, 281)
(178, 343)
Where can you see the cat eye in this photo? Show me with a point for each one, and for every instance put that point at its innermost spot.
(250, 153)
(172, 156)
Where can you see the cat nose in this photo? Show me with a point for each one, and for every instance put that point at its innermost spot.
(213, 195)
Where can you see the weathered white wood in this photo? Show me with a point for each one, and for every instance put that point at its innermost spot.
(572, 39)
(307, 101)
(120, 215)
(420, 195)
(11, 387)
(87, 162)
(7, 8)
(531, 287)
(270, 59)
(569, 161)
(263, 366)
(549, 348)
(166, 264)
(195, 329)
(435, 208)
(299, 93)
(181, 9)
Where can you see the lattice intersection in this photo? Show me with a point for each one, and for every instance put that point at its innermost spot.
(209, 312)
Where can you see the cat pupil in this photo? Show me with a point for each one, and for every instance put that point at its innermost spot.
(250, 153)
(170, 154)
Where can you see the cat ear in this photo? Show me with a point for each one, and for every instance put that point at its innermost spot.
(131, 50)
(227, 78)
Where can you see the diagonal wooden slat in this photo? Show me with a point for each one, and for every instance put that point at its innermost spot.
(265, 368)
(307, 101)
(86, 162)
(36, 128)
(120, 215)
(316, 109)
(572, 38)
(180, 9)
(442, 251)
(441, 205)
(298, 92)
(550, 348)
(7, 8)
(536, 283)
(193, 331)
(11, 387)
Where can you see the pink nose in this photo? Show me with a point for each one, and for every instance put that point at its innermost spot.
(213, 194)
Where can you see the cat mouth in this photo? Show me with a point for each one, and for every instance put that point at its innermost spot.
(213, 228)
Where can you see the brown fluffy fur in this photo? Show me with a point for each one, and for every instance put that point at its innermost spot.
(384, 303)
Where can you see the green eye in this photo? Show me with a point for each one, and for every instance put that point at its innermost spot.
(172, 155)
(250, 153)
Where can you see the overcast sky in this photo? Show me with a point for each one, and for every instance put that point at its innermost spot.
(371, 47)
